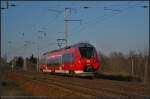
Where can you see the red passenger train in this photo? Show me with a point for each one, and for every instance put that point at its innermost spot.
(81, 58)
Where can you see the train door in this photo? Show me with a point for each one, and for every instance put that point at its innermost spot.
(68, 61)
(61, 63)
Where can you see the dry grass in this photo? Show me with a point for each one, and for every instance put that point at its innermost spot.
(10, 88)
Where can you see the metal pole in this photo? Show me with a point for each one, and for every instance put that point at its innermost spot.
(66, 26)
(25, 64)
(25, 45)
(132, 65)
(7, 4)
(9, 42)
(146, 67)
(37, 67)
(12, 65)
(146, 71)
(38, 48)
(38, 60)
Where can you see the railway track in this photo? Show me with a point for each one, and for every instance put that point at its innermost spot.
(118, 89)
(122, 87)
(70, 89)
(84, 87)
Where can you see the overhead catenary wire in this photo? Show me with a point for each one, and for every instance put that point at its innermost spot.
(95, 19)
(14, 50)
(105, 18)
(51, 21)
(37, 26)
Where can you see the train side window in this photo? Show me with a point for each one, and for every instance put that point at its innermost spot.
(54, 61)
(42, 61)
(68, 57)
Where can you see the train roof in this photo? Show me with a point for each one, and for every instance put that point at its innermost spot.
(71, 46)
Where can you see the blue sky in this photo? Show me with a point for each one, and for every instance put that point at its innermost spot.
(108, 25)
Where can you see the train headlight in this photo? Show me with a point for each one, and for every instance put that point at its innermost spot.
(79, 62)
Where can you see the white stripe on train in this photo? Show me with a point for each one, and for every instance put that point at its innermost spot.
(62, 71)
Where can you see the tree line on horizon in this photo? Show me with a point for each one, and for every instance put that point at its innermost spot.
(116, 63)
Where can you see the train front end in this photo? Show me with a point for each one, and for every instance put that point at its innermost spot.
(89, 58)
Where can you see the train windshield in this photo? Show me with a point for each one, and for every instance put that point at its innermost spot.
(86, 52)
